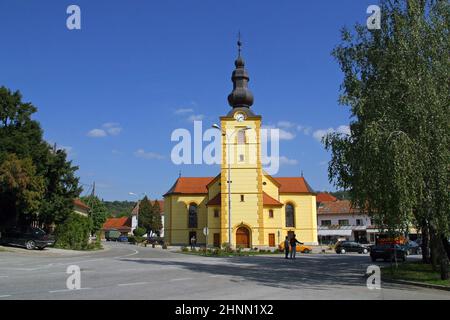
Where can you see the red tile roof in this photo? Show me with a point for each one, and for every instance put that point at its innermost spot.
(80, 204)
(293, 185)
(269, 201)
(120, 224)
(325, 196)
(337, 207)
(198, 185)
(190, 185)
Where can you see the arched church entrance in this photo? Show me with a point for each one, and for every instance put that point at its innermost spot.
(243, 237)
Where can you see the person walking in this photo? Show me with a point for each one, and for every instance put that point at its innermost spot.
(193, 240)
(286, 247)
(294, 242)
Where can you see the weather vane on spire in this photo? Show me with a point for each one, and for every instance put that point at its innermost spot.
(239, 43)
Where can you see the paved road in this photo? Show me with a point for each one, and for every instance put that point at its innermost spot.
(124, 271)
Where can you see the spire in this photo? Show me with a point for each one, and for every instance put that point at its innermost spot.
(241, 96)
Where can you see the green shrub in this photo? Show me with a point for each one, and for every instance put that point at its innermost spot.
(139, 231)
(164, 246)
(131, 239)
(139, 239)
(226, 247)
(184, 249)
(73, 233)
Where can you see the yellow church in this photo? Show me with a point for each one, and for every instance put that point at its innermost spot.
(243, 205)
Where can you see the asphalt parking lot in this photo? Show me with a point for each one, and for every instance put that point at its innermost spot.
(124, 271)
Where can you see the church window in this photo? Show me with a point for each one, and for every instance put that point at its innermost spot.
(241, 137)
(242, 198)
(290, 215)
(192, 216)
(270, 213)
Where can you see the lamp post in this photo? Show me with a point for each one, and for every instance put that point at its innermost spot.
(228, 139)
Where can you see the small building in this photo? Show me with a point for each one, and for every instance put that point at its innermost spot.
(80, 207)
(123, 225)
(337, 219)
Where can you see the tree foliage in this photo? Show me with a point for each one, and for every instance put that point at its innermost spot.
(395, 162)
(98, 212)
(20, 188)
(145, 214)
(51, 185)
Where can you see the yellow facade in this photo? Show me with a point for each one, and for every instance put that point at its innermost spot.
(248, 184)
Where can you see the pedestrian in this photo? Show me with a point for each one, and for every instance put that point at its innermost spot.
(193, 240)
(294, 242)
(286, 247)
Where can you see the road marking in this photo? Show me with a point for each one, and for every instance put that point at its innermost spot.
(127, 255)
(4, 276)
(132, 284)
(5, 296)
(181, 279)
(217, 276)
(67, 290)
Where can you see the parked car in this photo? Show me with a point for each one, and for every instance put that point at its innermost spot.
(122, 238)
(27, 237)
(350, 246)
(298, 248)
(388, 252)
(412, 247)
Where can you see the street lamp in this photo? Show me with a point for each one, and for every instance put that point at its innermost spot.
(228, 137)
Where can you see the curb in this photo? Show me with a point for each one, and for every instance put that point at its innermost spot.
(417, 284)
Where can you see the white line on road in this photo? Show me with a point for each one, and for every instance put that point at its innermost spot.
(68, 290)
(4, 276)
(180, 279)
(5, 296)
(127, 255)
(131, 284)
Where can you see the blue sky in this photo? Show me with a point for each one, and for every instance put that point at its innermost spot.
(139, 69)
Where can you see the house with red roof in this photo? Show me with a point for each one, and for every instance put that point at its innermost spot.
(123, 225)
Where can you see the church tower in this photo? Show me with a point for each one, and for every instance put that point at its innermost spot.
(241, 169)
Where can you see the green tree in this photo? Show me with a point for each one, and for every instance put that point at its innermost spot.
(61, 188)
(395, 162)
(20, 189)
(22, 136)
(156, 223)
(145, 214)
(98, 212)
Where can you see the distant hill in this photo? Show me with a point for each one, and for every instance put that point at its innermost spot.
(119, 208)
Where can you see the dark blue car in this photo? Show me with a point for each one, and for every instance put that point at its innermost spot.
(122, 238)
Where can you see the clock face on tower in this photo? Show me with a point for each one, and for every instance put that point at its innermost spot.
(239, 117)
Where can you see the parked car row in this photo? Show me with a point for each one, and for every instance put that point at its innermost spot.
(27, 237)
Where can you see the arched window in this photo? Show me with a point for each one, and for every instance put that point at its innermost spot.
(290, 215)
(241, 137)
(192, 223)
